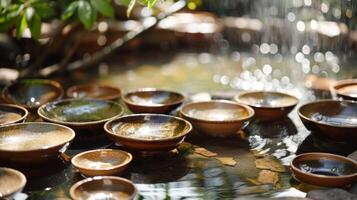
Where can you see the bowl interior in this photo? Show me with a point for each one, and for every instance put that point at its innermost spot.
(334, 113)
(149, 127)
(33, 93)
(93, 91)
(81, 110)
(10, 114)
(10, 181)
(216, 111)
(153, 98)
(33, 136)
(267, 99)
(102, 159)
(348, 88)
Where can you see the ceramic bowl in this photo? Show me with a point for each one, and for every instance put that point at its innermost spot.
(331, 118)
(80, 113)
(218, 117)
(148, 133)
(32, 93)
(94, 91)
(103, 187)
(10, 114)
(33, 142)
(102, 162)
(149, 100)
(324, 169)
(11, 182)
(345, 89)
(268, 105)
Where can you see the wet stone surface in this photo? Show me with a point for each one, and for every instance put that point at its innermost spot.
(331, 194)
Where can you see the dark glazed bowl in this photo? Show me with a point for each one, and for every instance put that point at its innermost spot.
(331, 118)
(12, 182)
(32, 93)
(324, 169)
(345, 89)
(150, 100)
(94, 91)
(10, 114)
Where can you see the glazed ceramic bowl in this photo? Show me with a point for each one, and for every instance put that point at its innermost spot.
(102, 162)
(10, 114)
(80, 113)
(94, 91)
(32, 93)
(11, 182)
(33, 142)
(268, 105)
(324, 169)
(148, 133)
(217, 118)
(331, 118)
(150, 100)
(103, 187)
(345, 89)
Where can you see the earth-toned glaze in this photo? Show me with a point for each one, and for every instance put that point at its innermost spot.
(94, 91)
(345, 89)
(11, 182)
(10, 114)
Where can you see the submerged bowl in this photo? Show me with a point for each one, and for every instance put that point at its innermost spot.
(102, 162)
(103, 187)
(94, 91)
(10, 114)
(33, 142)
(11, 182)
(345, 89)
(218, 117)
(148, 133)
(150, 100)
(331, 118)
(80, 113)
(268, 105)
(324, 169)
(32, 93)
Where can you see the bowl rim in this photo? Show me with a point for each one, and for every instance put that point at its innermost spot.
(41, 112)
(5, 91)
(71, 131)
(117, 93)
(246, 107)
(18, 107)
(107, 124)
(237, 98)
(341, 84)
(127, 101)
(80, 166)
(95, 178)
(20, 186)
(302, 116)
(329, 155)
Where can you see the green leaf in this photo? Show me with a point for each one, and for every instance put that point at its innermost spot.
(44, 10)
(35, 26)
(104, 7)
(87, 15)
(130, 7)
(68, 12)
(151, 3)
(21, 27)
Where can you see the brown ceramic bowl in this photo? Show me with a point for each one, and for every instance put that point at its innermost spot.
(324, 169)
(94, 91)
(10, 114)
(32, 93)
(218, 117)
(11, 182)
(268, 105)
(345, 89)
(33, 142)
(331, 118)
(102, 162)
(150, 100)
(103, 187)
(148, 133)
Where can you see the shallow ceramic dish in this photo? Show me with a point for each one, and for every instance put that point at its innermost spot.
(103, 187)
(80, 113)
(94, 91)
(10, 114)
(102, 162)
(345, 89)
(150, 100)
(268, 105)
(33, 142)
(148, 133)
(324, 169)
(332, 118)
(218, 117)
(32, 93)
(11, 182)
